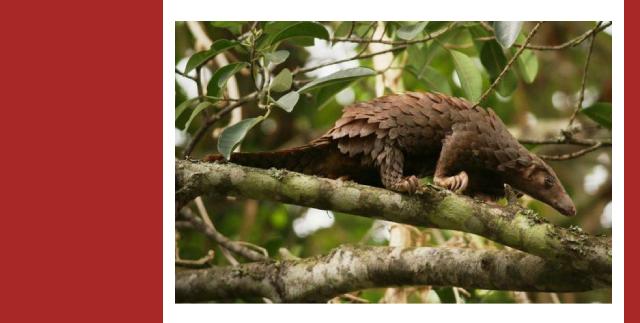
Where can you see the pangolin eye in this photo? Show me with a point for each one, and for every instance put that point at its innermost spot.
(548, 181)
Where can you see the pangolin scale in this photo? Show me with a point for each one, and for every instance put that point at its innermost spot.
(392, 140)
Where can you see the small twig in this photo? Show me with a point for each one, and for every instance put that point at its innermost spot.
(573, 154)
(568, 44)
(568, 141)
(354, 298)
(486, 26)
(250, 245)
(197, 263)
(211, 120)
(353, 26)
(521, 297)
(230, 258)
(396, 42)
(508, 66)
(554, 298)
(193, 78)
(210, 231)
(361, 56)
(584, 78)
(571, 43)
(457, 295)
(464, 292)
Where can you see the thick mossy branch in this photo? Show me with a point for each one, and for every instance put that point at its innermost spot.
(512, 226)
(348, 269)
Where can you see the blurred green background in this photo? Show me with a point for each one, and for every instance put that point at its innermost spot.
(535, 99)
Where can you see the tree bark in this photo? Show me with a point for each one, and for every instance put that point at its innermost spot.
(512, 225)
(348, 269)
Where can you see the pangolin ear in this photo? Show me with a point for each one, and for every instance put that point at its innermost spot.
(529, 170)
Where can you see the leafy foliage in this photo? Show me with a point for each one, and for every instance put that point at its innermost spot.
(201, 58)
(410, 32)
(233, 135)
(468, 74)
(601, 113)
(507, 32)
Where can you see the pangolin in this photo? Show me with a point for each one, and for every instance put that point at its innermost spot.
(393, 140)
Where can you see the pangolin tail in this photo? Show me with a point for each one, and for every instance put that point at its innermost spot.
(308, 159)
(321, 158)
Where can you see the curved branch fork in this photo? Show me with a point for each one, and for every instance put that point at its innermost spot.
(512, 226)
(349, 268)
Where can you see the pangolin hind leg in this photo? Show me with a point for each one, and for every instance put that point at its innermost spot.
(390, 164)
(448, 160)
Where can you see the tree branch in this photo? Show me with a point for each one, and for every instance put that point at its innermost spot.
(348, 269)
(512, 225)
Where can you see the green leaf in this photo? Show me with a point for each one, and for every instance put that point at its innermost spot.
(436, 25)
(302, 41)
(197, 59)
(274, 27)
(507, 32)
(343, 29)
(288, 101)
(271, 29)
(231, 136)
(200, 58)
(302, 29)
(221, 76)
(410, 32)
(276, 57)
(494, 61)
(434, 80)
(282, 81)
(469, 75)
(183, 106)
(528, 66)
(350, 74)
(235, 27)
(323, 95)
(508, 84)
(196, 111)
(492, 58)
(599, 112)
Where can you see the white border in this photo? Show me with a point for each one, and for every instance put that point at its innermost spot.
(393, 10)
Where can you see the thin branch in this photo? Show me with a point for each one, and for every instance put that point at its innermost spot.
(573, 154)
(197, 263)
(347, 269)
(193, 78)
(212, 119)
(584, 78)
(568, 44)
(512, 225)
(396, 42)
(508, 66)
(353, 26)
(361, 56)
(211, 232)
(568, 141)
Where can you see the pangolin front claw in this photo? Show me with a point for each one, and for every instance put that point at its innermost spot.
(457, 183)
(410, 184)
